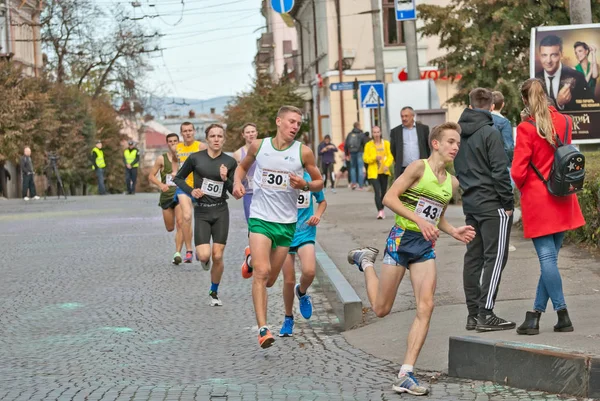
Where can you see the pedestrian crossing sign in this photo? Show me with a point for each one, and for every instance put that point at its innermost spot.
(372, 95)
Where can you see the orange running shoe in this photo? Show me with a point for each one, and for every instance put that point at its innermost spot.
(246, 269)
(265, 338)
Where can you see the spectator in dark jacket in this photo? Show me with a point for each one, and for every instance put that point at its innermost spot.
(355, 145)
(326, 151)
(28, 175)
(482, 171)
(409, 141)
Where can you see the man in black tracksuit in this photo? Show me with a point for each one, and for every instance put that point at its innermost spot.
(482, 171)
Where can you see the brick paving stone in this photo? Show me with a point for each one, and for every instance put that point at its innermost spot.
(92, 309)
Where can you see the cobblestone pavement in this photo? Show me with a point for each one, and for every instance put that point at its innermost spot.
(91, 309)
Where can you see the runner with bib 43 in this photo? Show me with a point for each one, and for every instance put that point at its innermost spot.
(419, 198)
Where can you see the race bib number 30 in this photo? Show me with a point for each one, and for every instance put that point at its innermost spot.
(429, 210)
(212, 188)
(169, 180)
(304, 199)
(275, 180)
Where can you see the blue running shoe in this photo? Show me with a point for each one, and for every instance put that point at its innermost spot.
(406, 383)
(287, 328)
(357, 256)
(305, 303)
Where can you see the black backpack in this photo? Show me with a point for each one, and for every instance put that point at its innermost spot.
(354, 141)
(568, 170)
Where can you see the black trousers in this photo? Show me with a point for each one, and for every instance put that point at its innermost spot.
(130, 179)
(327, 170)
(28, 184)
(380, 187)
(485, 259)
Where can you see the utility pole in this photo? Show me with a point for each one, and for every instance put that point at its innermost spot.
(412, 55)
(379, 68)
(317, 123)
(580, 11)
(340, 62)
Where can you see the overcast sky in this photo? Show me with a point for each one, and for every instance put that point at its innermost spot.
(209, 45)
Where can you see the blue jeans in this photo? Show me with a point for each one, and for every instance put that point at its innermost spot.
(356, 167)
(550, 284)
(100, 177)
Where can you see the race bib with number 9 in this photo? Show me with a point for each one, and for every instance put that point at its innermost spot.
(275, 180)
(304, 199)
(169, 180)
(212, 188)
(429, 210)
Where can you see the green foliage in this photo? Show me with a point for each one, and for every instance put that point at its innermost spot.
(589, 201)
(487, 42)
(260, 106)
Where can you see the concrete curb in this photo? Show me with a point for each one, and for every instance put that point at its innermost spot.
(340, 294)
(526, 366)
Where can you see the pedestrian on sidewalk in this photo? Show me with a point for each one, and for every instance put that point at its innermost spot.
(482, 170)
(546, 217)
(419, 198)
(327, 151)
(98, 165)
(409, 141)
(354, 146)
(378, 158)
(131, 158)
(28, 175)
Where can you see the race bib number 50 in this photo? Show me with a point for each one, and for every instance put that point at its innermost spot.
(304, 199)
(275, 180)
(212, 188)
(429, 210)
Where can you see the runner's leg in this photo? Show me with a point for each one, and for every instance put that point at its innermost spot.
(382, 291)
(289, 282)
(308, 261)
(185, 202)
(169, 219)
(278, 256)
(216, 271)
(260, 247)
(179, 233)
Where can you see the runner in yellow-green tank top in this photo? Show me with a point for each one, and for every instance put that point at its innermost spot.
(419, 198)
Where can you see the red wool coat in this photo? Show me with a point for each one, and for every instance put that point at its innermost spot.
(542, 213)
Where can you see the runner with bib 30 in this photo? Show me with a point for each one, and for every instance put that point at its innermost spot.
(419, 198)
(213, 176)
(277, 182)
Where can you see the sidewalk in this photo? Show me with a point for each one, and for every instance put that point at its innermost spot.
(350, 222)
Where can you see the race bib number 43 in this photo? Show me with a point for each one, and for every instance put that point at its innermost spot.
(275, 180)
(304, 199)
(212, 188)
(429, 210)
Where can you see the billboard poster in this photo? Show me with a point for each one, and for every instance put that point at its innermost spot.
(565, 59)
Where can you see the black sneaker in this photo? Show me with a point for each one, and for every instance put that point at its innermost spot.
(492, 322)
(471, 322)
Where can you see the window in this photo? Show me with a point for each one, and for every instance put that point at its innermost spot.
(393, 35)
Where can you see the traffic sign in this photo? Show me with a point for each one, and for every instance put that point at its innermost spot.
(282, 6)
(405, 10)
(346, 86)
(372, 95)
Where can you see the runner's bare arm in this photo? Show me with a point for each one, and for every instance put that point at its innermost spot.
(158, 165)
(410, 176)
(464, 233)
(308, 158)
(316, 219)
(184, 171)
(237, 155)
(202, 146)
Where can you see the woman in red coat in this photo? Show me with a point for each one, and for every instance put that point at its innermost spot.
(546, 217)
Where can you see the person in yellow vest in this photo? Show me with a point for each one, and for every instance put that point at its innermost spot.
(378, 158)
(98, 165)
(131, 157)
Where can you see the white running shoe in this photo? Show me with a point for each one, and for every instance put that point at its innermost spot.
(26, 198)
(214, 299)
(36, 197)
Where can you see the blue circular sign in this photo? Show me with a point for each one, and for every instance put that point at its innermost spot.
(282, 6)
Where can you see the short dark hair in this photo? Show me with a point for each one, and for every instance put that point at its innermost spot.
(172, 134)
(481, 98)
(497, 99)
(437, 133)
(582, 44)
(327, 137)
(552, 40)
(214, 125)
(184, 124)
(248, 125)
(288, 109)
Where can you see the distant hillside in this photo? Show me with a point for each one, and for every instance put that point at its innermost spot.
(174, 106)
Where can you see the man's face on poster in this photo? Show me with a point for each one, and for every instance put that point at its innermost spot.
(550, 58)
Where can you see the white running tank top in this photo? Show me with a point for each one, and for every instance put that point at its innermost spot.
(274, 199)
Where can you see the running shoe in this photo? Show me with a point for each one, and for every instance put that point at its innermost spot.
(305, 303)
(205, 266)
(36, 198)
(214, 299)
(407, 383)
(265, 338)
(491, 322)
(246, 269)
(177, 258)
(287, 330)
(357, 256)
(189, 255)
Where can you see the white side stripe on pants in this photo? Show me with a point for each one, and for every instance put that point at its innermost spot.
(502, 231)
